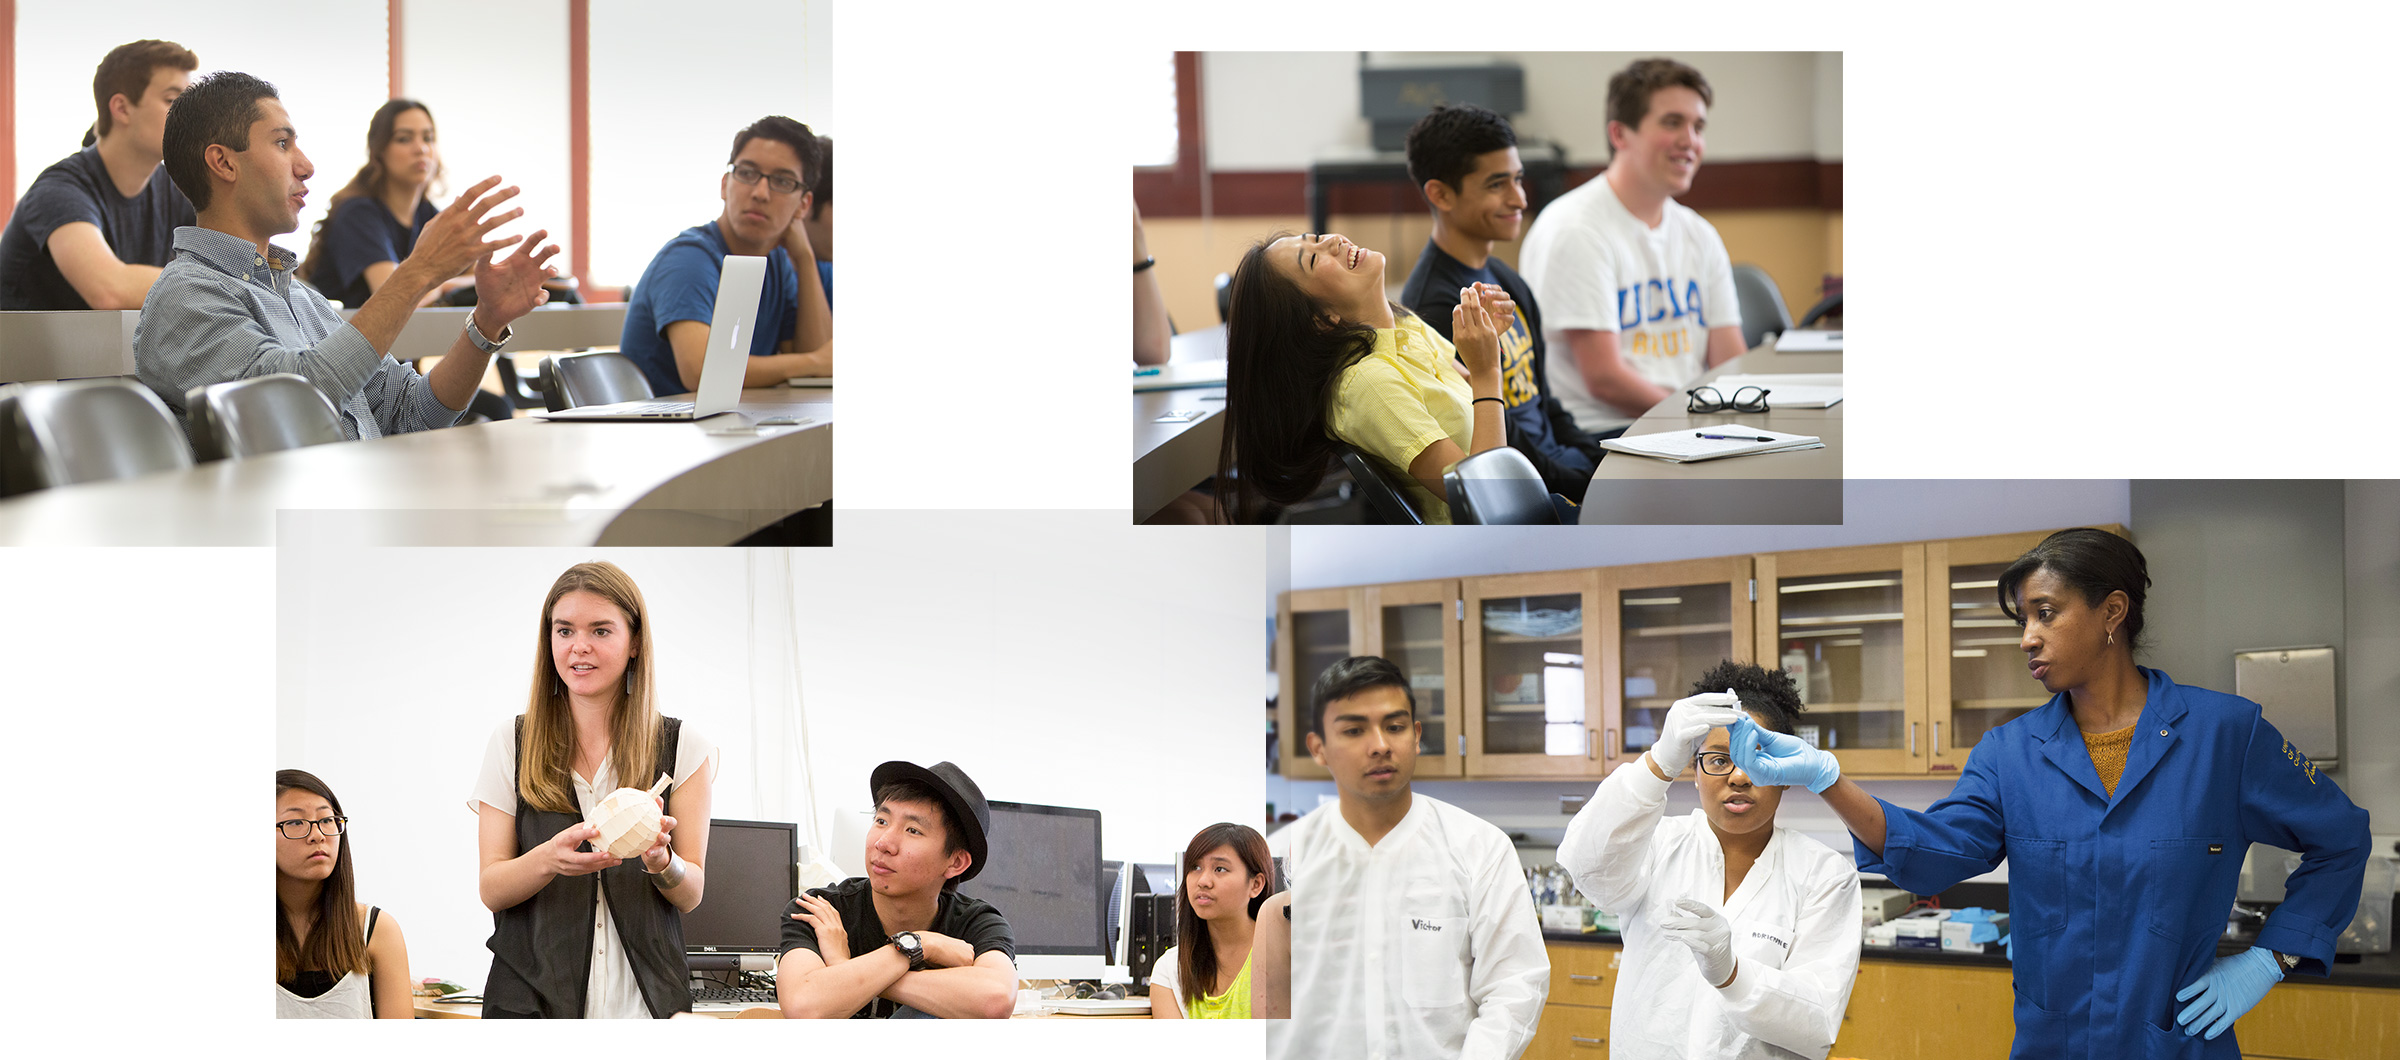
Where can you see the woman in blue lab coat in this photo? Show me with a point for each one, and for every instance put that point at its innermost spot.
(2124, 807)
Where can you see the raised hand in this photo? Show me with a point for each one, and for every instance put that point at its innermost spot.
(512, 287)
(1780, 759)
(453, 240)
(1474, 333)
(1687, 727)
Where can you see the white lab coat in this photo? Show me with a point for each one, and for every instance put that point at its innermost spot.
(1795, 929)
(1422, 946)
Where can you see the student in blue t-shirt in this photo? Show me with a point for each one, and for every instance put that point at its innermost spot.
(1465, 160)
(766, 193)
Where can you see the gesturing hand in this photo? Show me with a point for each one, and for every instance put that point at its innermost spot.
(453, 240)
(512, 287)
(833, 940)
(1475, 326)
(1709, 935)
(562, 859)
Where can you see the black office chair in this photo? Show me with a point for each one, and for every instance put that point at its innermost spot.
(262, 414)
(574, 380)
(88, 430)
(1829, 308)
(1762, 305)
(1387, 496)
(1498, 486)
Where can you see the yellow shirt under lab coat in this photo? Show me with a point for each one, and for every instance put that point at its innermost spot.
(1402, 397)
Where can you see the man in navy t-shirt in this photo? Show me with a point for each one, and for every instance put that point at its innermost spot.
(1465, 160)
(92, 231)
(765, 188)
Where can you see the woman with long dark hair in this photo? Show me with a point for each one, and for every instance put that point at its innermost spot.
(577, 932)
(1227, 875)
(372, 223)
(335, 957)
(1317, 357)
(2123, 807)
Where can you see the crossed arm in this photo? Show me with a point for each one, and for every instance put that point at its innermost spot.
(959, 985)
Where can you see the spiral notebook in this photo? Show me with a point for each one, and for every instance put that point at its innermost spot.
(1688, 445)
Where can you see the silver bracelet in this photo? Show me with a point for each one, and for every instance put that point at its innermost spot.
(671, 877)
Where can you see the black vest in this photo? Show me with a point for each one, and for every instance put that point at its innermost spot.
(542, 947)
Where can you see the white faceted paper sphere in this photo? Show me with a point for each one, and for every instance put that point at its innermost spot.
(628, 822)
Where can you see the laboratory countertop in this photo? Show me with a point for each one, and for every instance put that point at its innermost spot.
(2373, 969)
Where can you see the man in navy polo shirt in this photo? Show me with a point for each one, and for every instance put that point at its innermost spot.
(766, 192)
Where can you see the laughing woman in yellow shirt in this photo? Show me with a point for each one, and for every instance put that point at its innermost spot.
(1315, 353)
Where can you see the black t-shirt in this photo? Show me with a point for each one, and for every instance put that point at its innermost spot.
(361, 232)
(1537, 425)
(970, 920)
(141, 230)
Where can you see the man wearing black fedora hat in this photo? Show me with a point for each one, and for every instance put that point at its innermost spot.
(900, 941)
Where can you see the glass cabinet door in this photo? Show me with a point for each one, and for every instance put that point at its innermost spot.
(1847, 624)
(1316, 629)
(1668, 624)
(1530, 711)
(1979, 679)
(1415, 625)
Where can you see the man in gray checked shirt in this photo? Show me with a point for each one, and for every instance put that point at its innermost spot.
(228, 306)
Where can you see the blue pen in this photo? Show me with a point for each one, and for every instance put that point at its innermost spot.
(1732, 437)
(1152, 370)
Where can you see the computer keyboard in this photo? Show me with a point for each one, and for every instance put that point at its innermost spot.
(732, 996)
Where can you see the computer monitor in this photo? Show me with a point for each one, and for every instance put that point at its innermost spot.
(1044, 877)
(752, 879)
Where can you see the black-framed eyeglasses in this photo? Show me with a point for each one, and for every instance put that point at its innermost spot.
(1710, 399)
(299, 829)
(750, 174)
(1716, 765)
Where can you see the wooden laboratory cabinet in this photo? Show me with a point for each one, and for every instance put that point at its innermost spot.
(1583, 985)
(1849, 625)
(1977, 679)
(1663, 625)
(1414, 624)
(1529, 710)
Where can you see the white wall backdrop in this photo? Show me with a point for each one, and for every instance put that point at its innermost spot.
(1055, 657)
(328, 67)
(495, 109)
(667, 98)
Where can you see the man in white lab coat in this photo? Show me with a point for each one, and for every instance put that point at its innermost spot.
(1741, 937)
(1413, 936)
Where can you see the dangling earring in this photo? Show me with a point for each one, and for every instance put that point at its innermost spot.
(2112, 638)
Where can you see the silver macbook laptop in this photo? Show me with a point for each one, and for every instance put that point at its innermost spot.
(728, 355)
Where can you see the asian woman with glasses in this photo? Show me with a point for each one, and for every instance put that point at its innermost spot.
(1741, 938)
(335, 957)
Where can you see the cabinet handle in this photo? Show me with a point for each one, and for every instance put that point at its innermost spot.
(1581, 1040)
(1591, 745)
(1912, 739)
(1613, 750)
(1462, 745)
(1937, 739)
(1583, 978)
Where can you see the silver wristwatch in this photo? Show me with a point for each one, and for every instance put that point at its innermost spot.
(475, 335)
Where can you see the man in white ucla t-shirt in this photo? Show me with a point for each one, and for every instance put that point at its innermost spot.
(1637, 292)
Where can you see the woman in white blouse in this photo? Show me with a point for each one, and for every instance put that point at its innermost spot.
(1741, 937)
(576, 932)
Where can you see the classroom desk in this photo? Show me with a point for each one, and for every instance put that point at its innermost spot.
(68, 344)
(1801, 487)
(520, 482)
(430, 332)
(1170, 458)
(89, 344)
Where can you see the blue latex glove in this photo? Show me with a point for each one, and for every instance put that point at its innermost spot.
(2230, 987)
(1776, 758)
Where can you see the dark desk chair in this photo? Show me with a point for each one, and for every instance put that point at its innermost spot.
(1762, 305)
(1497, 486)
(262, 414)
(574, 380)
(1387, 496)
(1829, 308)
(89, 430)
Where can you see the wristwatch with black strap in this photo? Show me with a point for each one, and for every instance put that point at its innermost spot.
(911, 947)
